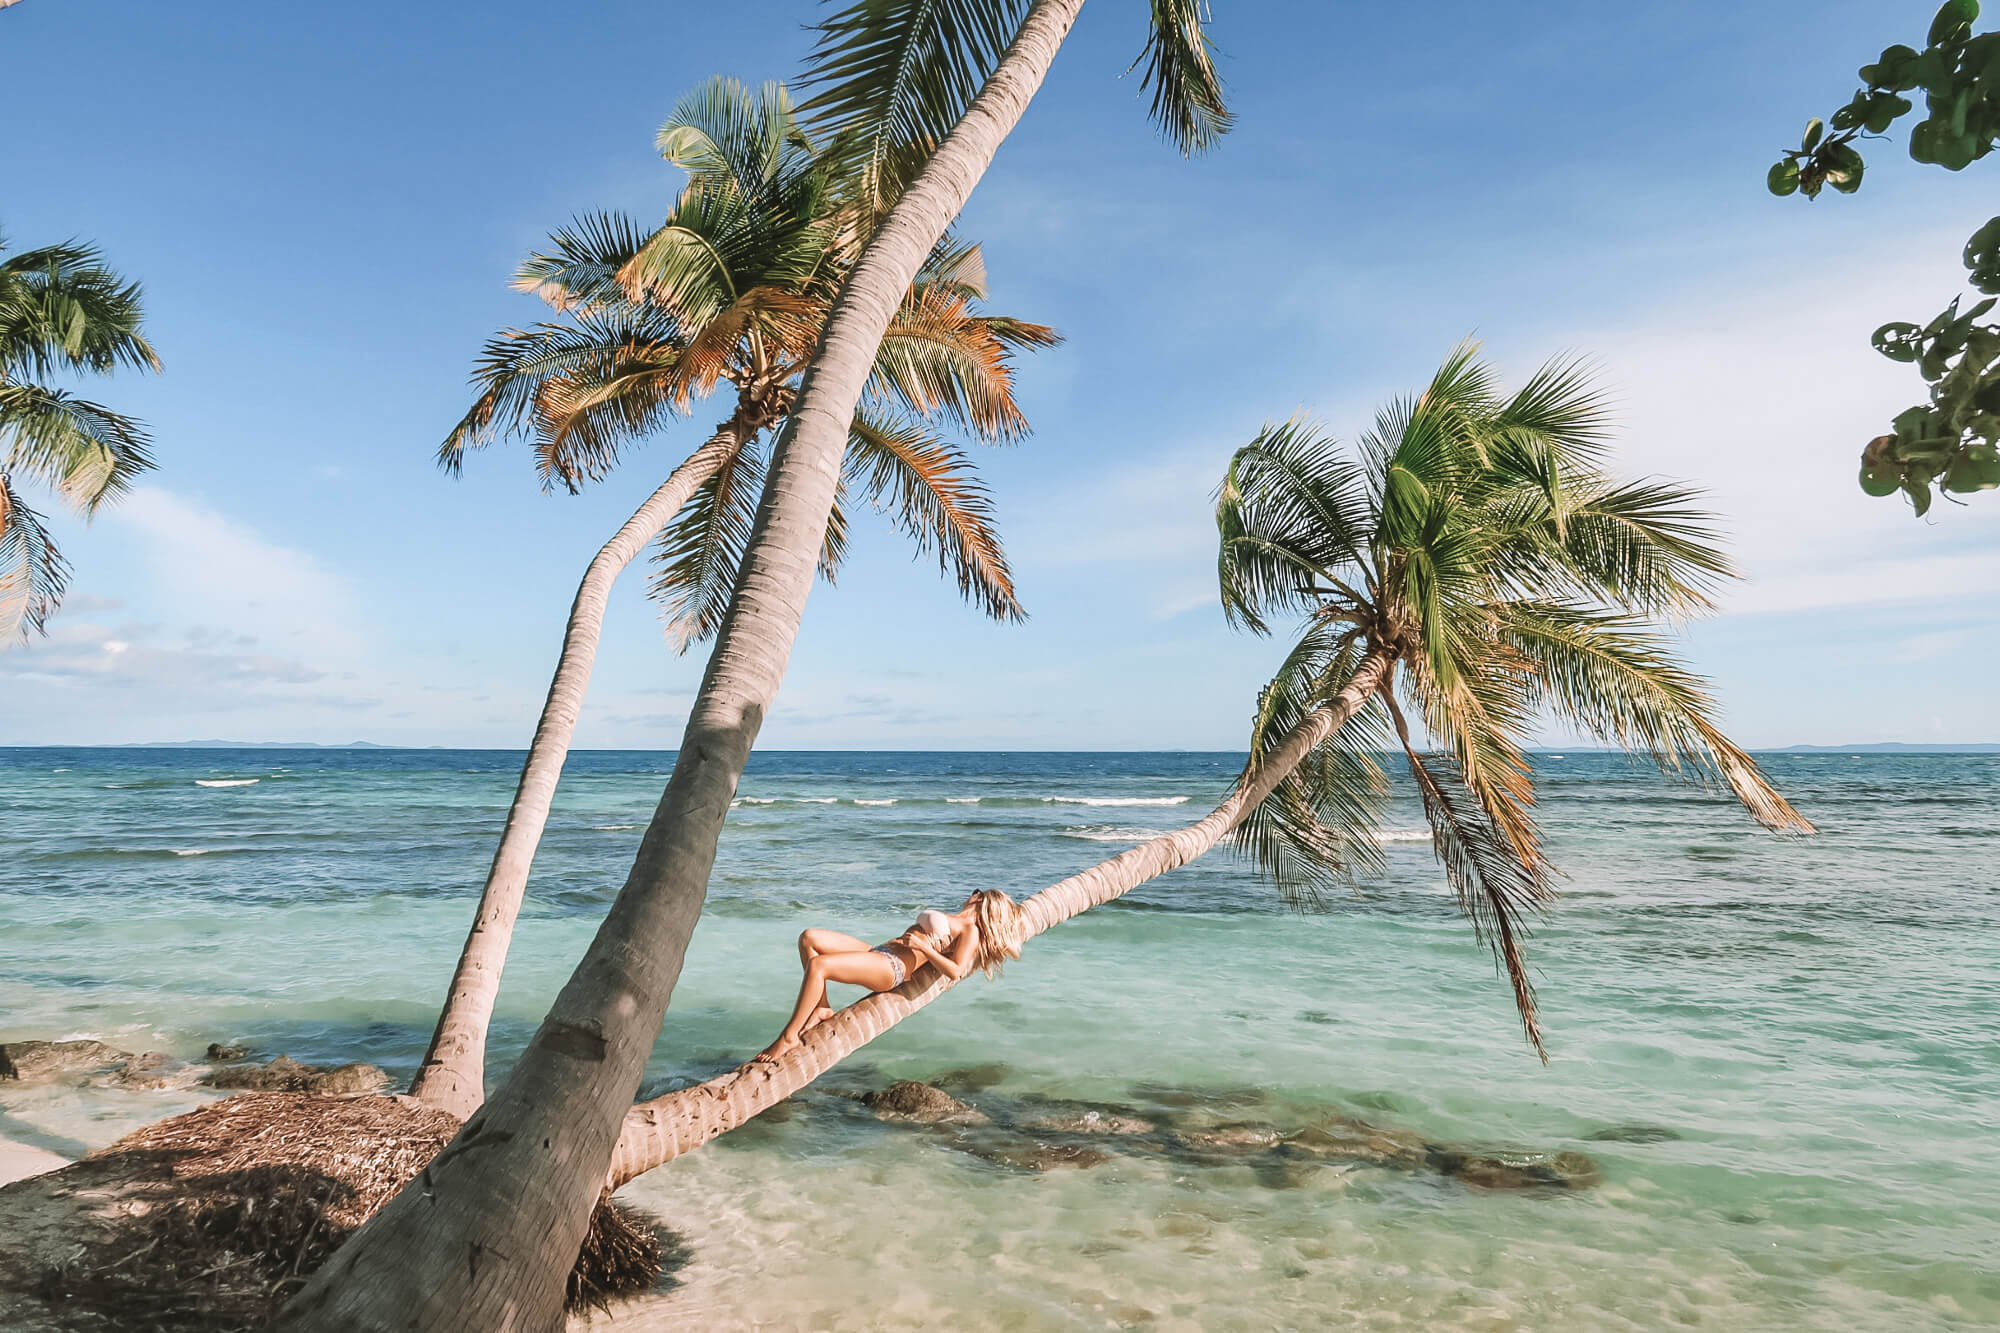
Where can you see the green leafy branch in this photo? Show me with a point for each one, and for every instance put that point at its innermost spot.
(1953, 441)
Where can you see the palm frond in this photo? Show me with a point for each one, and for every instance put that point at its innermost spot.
(33, 574)
(934, 492)
(1623, 684)
(701, 550)
(84, 452)
(1495, 888)
(1294, 516)
(1319, 826)
(579, 389)
(890, 78)
(1180, 73)
(939, 357)
(582, 263)
(61, 308)
(751, 142)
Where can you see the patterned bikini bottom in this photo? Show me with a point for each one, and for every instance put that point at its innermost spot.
(901, 971)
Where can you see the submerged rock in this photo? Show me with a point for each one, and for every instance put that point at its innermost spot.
(218, 1053)
(1036, 1156)
(284, 1074)
(972, 1078)
(922, 1103)
(24, 1060)
(1634, 1134)
(154, 1071)
(1346, 1139)
(1516, 1170)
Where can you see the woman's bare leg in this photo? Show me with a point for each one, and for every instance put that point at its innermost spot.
(818, 940)
(860, 968)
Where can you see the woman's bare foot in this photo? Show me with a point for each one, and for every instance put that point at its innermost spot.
(819, 1015)
(771, 1054)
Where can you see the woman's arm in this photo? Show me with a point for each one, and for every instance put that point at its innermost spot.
(956, 966)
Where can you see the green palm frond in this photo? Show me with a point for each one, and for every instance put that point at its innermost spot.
(1180, 73)
(1294, 515)
(890, 78)
(579, 390)
(702, 549)
(1320, 825)
(84, 452)
(1495, 887)
(1610, 675)
(726, 133)
(583, 261)
(33, 573)
(61, 308)
(934, 493)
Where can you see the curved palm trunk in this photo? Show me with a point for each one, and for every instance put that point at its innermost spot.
(486, 1234)
(453, 1075)
(660, 1130)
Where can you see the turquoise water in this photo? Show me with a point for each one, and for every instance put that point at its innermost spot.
(1783, 1055)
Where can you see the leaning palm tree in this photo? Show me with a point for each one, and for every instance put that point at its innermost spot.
(61, 312)
(728, 294)
(1471, 563)
(942, 82)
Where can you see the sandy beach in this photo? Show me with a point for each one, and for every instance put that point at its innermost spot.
(18, 1161)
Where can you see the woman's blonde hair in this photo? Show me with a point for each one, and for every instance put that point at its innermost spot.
(1002, 928)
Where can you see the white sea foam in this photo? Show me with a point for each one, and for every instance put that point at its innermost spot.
(818, 800)
(192, 851)
(1115, 800)
(1405, 833)
(58, 770)
(859, 801)
(227, 782)
(755, 800)
(613, 828)
(1095, 834)
(961, 800)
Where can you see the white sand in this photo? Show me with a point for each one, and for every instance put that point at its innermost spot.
(18, 1161)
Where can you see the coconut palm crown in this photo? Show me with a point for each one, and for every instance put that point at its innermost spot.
(1474, 556)
(62, 311)
(732, 288)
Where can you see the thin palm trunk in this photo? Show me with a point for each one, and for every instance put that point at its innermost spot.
(660, 1130)
(453, 1075)
(486, 1235)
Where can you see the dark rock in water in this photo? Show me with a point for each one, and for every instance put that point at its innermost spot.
(1234, 1140)
(1036, 1156)
(1634, 1134)
(45, 1059)
(1191, 1099)
(922, 1103)
(1516, 1170)
(221, 1054)
(1048, 1115)
(1285, 1167)
(154, 1071)
(285, 1074)
(1346, 1139)
(1087, 1123)
(973, 1078)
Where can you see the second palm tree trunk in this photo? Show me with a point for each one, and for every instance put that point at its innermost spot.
(453, 1075)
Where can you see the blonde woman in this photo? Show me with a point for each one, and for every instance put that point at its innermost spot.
(984, 933)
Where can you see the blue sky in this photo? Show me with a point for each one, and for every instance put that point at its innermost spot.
(325, 203)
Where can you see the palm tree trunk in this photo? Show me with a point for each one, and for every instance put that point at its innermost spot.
(453, 1075)
(660, 1130)
(485, 1236)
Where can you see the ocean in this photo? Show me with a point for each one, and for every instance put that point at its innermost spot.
(1782, 1056)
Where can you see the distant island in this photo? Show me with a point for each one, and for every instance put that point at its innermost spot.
(262, 745)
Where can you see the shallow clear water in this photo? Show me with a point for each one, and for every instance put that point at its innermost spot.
(1784, 1055)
